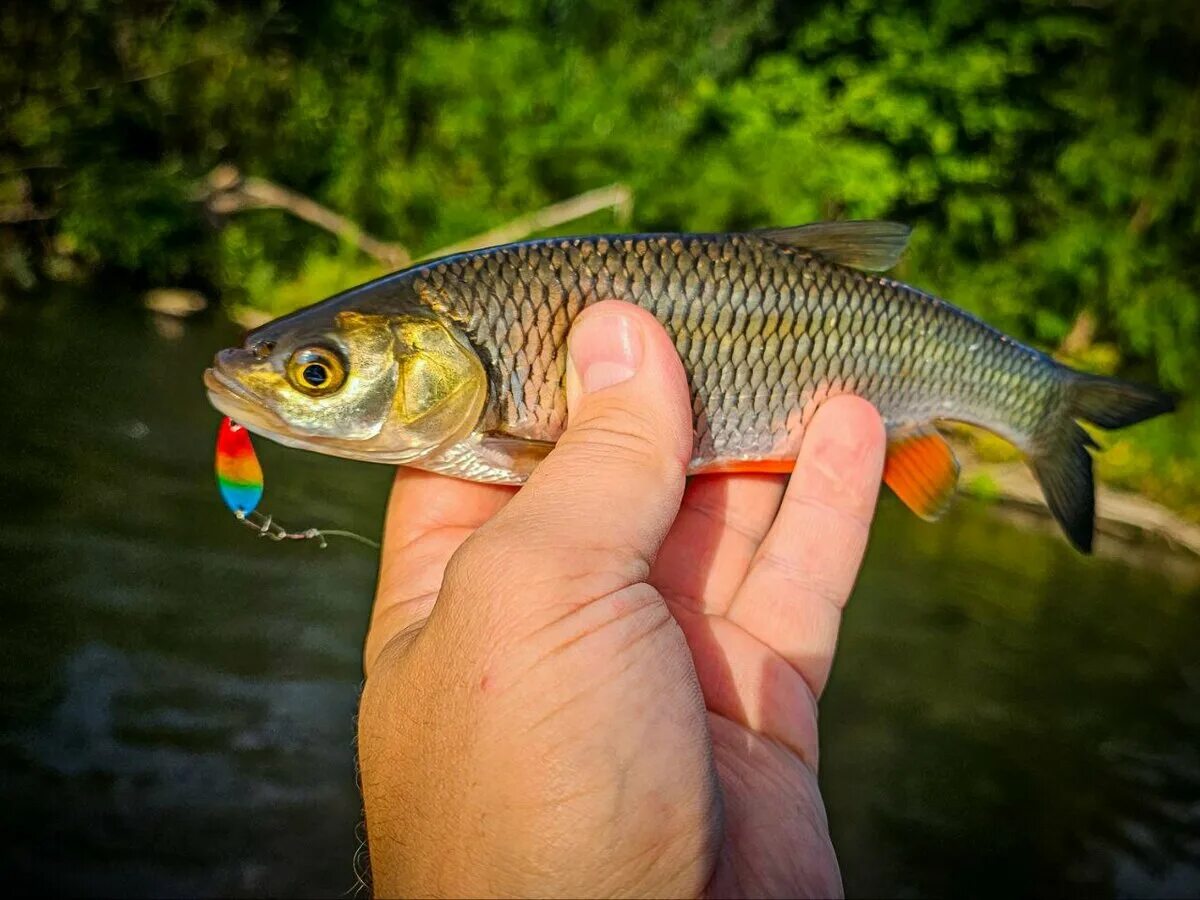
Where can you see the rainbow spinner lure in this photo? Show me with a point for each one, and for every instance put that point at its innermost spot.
(240, 480)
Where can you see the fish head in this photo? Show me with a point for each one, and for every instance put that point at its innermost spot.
(362, 385)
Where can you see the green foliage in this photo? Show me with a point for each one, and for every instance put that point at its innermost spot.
(1047, 152)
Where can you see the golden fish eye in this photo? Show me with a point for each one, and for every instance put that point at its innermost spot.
(316, 371)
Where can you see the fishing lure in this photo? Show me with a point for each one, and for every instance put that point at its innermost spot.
(240, 480)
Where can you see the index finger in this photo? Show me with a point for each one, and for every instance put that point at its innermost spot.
(805, 568)
(428, 518)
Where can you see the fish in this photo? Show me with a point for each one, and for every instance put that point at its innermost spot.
(456, 365)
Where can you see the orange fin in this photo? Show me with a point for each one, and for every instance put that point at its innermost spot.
(922, 471)
(747, 466)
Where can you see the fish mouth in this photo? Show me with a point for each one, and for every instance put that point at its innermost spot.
(233, 400)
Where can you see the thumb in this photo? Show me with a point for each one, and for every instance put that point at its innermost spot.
(605, 497)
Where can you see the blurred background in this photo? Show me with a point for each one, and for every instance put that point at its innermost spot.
(177, 704)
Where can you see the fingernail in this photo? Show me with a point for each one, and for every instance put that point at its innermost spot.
(604, 350)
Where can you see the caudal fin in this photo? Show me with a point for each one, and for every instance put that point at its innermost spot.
(1060, 456)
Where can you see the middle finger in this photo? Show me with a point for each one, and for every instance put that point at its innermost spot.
(720, 525)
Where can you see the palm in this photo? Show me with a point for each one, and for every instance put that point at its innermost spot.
(759, 605)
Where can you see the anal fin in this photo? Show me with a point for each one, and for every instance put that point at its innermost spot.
(921, 470)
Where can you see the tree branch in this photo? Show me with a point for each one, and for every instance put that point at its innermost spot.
(226, 191)
(617, 197)
(24, 212)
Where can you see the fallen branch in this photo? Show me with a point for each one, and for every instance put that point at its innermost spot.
(24, 212)
(617, 197)
(1011, 483)
(226, 191)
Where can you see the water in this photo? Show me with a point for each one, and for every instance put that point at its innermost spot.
(178, 697)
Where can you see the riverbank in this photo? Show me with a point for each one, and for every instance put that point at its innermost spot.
(1119, 514)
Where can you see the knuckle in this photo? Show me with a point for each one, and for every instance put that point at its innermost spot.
(801, 578)
(605, 442)
(617, 436)
(852, 515)
(477, 562)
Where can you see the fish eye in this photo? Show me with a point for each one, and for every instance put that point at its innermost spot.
(316, 371)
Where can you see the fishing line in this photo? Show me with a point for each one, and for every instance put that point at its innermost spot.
(240, 480)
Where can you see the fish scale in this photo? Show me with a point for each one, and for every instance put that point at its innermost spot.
(728, 302)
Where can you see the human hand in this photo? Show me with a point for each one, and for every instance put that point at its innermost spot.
(605, 684)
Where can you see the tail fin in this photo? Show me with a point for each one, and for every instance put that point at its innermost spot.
(1111, 403)
(1060, 459)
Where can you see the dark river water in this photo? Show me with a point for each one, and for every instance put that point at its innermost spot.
(178, 698)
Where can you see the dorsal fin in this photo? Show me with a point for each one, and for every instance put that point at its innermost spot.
(869, 245)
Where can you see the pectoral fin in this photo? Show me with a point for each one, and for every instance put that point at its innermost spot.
(519, 455)
(922, 471)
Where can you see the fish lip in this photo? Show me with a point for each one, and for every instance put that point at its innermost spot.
(234, 401)
(217, 383)
(221, 387)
